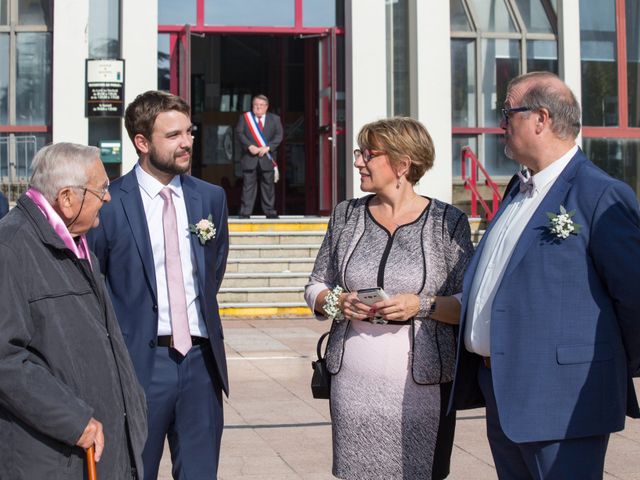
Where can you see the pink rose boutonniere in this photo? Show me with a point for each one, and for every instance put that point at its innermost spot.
(205, 230)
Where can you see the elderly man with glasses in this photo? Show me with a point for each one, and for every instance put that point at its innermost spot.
(549, 333)
(66, 380)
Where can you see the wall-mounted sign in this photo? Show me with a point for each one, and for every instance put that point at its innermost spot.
(105, 88)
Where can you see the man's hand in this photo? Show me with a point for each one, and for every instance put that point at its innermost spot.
(92, 435)
(254, 150)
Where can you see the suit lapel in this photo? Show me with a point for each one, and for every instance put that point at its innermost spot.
(134, 211)
(551, 203)
(193, 202)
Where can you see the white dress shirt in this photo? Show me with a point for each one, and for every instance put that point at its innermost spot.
(153, 204)
(497, 251)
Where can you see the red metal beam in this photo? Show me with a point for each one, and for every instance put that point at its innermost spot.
(623, 93)
(250, 30)
(610, 132)
(298, 14)
(25, 128)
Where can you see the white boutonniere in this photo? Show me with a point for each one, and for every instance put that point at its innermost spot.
(204, 229)
(331, 304)
(561, 225)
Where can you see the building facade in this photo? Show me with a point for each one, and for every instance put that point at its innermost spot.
(328, 67)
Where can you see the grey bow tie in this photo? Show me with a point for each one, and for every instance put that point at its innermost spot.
(527, 184)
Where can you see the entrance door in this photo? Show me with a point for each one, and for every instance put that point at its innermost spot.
(180, 78)
(327, 124)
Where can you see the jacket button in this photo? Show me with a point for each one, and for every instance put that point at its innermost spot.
(155, 308)
(152, 344)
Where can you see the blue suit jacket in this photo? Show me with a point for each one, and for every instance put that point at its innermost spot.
(565, 321)
(121, 243)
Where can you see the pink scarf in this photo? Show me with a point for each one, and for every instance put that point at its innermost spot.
(81, 249)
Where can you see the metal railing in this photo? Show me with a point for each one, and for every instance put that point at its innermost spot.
(16, 153)
(471, 184)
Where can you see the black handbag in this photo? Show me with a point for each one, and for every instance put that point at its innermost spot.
(321, 379)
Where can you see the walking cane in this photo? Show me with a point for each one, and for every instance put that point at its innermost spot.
(91, 464)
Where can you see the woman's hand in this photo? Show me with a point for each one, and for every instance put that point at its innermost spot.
(399, 308)
(353, 308)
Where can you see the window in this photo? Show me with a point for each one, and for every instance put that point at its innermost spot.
(493, 41)
(397, 18)
(25, 88)
(610, 86)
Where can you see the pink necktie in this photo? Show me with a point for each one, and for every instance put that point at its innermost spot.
(175, 282)
(261, 122)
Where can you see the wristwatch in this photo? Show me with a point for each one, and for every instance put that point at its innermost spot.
(432, 305)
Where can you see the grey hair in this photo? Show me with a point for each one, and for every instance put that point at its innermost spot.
(548, 91)
(61, 165)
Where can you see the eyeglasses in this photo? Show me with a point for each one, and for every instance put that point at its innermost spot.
(366, 155)
(100, 193)
(506, 112)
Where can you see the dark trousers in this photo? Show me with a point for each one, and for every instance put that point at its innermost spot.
(184, 400)
(579, 458)
(250, 187)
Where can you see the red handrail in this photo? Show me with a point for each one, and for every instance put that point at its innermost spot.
(471, 183)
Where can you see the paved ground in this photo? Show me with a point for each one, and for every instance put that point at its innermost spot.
(275, 430)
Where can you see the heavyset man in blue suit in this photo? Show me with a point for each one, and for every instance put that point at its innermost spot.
(550, 322)
(183, 385)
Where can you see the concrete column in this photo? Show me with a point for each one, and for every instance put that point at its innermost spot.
(569, 46)
(430, 44)
(366, 82)
(70, 50)
(139, 27)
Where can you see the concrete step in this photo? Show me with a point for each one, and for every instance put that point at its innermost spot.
(261, 294)
(269, 279)
(274, 251)
(304, 237)
(265, 265)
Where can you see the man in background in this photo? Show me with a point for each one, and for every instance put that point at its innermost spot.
(259, 134)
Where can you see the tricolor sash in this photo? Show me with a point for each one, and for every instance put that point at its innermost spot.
(258, 137)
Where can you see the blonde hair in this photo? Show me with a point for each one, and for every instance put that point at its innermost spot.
(400, 137)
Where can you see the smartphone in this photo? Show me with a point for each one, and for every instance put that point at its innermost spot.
(369, 296)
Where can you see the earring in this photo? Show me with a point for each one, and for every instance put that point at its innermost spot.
(398, 183)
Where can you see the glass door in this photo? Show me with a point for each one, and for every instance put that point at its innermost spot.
(180, 80)
(327, 124)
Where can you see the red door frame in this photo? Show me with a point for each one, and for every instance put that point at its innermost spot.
(179, 41)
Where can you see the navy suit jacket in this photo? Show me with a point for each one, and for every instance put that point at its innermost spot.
(121, 243)
(565, 321)
(4, 205)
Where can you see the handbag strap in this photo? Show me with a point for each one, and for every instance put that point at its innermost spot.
(319, 346)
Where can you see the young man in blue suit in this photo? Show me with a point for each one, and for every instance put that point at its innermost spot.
(162, 246)
(550, 323)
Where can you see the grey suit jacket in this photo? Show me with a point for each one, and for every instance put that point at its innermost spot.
(273, 135)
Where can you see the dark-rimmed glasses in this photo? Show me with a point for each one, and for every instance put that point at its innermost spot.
(506, 112)
(100, 193)
(366, 154)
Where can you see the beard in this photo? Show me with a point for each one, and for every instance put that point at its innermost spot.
(168, 163)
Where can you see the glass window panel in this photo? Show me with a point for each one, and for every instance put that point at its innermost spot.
(458, 143)
(4, 13)
(599, 71)
(633, 61)
(163, 61)
(620, 158)
(4, 78)
(171, 12)
(542, 55)
(26, 147)
(274, 13)
(398, 58)
(459, 19)
(501, 58)
(493, 16)
(494, 159)
(4, 155)
(34, 12)
(463, 82)
(534, 16)
(33, 86)
(319, 13)
(104, 29)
